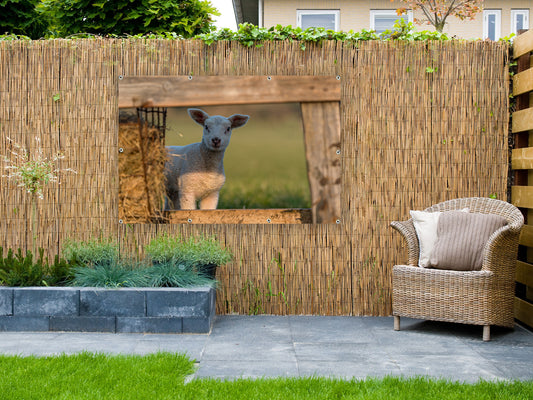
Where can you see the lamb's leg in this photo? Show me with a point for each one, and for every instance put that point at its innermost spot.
(210, 202)
(187, 201)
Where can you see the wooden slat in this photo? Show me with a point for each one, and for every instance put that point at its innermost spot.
(523, 44)
(523, 82)
(523, 311)
(524, 273)
(522, 158)
(322, 133)
(522, 196)
(522, 120)
(268, 216)
(526, 236)
(184, 91)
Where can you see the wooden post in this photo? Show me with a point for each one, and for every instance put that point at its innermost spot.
(322, 133)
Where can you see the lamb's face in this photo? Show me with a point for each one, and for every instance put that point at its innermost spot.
(217, 133)
(217, 129)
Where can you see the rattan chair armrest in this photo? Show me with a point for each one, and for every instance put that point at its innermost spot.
(500, 251)
(407, 229)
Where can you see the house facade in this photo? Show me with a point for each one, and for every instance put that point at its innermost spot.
(498, 18)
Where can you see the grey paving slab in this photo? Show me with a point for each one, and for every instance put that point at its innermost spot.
(349, 369)
(292, 346)
(246, 369)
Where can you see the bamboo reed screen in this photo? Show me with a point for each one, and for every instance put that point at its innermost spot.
(421, 123)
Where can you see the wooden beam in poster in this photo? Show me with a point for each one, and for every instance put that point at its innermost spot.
(322, 134)
(251, 216)
(185, 91)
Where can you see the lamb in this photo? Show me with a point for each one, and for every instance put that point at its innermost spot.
(195, 172)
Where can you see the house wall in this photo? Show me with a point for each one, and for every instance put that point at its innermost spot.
(355, 15)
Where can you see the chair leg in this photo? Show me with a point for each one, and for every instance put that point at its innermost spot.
(486, 333)
(396, 322)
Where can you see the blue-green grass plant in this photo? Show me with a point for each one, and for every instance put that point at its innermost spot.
(110, 276)
(170, 274)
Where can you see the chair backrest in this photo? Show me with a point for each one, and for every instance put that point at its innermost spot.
(483, 205)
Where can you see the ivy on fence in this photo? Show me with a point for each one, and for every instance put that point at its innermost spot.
(250, 35)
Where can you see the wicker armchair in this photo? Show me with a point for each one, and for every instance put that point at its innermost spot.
(484, 297)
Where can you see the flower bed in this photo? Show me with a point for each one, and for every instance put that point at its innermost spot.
(124, 310)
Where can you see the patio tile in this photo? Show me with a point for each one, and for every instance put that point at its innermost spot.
(246, 369)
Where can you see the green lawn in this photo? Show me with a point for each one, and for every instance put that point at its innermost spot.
(265, 161)
(163, 376)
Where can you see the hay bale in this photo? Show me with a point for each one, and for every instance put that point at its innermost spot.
(141, 172)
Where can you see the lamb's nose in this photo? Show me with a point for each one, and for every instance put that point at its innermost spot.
(216, 141)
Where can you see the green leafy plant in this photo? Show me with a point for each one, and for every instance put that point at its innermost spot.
(21, 18)
(91, 253)
(250, 35)
(192, 252)
(21, 269)
(184, 18)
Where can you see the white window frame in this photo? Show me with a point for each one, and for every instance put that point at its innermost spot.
(514, 14)
(498, 27)
(387, 13)
(335, 13)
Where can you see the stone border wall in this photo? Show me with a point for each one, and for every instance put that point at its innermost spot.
(124, 310)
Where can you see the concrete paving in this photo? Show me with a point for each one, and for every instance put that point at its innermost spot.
(298, 346)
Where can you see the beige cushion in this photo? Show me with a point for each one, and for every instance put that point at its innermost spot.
(461, 238)
(426, 231)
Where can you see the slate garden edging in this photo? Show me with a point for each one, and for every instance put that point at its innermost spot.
(123, 310)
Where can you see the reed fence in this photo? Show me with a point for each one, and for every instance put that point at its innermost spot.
(420, 123)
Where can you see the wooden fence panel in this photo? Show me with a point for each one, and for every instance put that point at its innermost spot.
(522, 192)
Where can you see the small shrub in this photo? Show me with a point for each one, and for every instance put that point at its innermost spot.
(21, 269)
(60, 272)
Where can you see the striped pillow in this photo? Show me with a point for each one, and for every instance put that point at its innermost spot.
(461, 238)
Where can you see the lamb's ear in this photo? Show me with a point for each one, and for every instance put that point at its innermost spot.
(238, 120)
(199, 116)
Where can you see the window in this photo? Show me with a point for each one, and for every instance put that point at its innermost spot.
(328, 19)
(492, 24)
(382, 20)
(519, 20)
